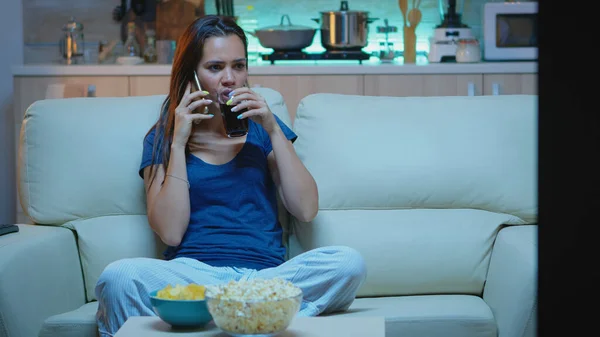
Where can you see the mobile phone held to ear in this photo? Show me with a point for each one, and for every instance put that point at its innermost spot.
(195, 87)
(196, 83)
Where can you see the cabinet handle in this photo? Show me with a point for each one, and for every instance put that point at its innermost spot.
(471, 89)
(91, 90)
(495, 89)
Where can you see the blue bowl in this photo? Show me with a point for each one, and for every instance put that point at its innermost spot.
(181, 313)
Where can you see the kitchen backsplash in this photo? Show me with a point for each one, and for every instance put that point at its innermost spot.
(43, 20)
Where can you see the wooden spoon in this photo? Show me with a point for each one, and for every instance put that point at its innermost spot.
(414, 17)
(403, 8)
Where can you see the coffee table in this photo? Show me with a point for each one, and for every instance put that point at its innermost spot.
(331, 326)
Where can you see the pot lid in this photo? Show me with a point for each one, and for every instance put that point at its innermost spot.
(286, 27)
(344, 10)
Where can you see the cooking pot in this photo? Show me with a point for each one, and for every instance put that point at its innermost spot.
(285, 36)
(344, 29)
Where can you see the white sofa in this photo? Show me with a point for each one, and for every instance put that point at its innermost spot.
(438, 193)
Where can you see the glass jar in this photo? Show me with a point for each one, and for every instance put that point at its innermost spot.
(131, 46)
(150, 54)
(468, 50)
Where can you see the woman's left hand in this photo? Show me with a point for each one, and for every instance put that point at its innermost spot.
(258, 109)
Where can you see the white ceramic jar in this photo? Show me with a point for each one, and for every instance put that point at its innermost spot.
(468, 50)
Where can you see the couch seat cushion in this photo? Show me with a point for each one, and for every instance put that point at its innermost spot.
(80, 322)
(429, 315)
(406, 316)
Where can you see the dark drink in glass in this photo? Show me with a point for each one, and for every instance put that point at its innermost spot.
(233, 127)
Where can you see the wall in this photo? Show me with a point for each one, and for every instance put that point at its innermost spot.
(41, 39)
(12, 53)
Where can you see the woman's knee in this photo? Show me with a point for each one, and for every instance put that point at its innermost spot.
(355, 262)
(118, 276)
(349, 262)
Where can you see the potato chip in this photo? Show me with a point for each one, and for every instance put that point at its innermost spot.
(180, 292)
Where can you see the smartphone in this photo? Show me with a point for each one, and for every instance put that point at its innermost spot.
(196, 83)
(195, 86)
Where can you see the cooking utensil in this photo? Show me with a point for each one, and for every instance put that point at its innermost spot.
(414, 17)
(285, 36)
(386, 51)
(404, 9)
(344, 29)
(138, 7)
(224, 7)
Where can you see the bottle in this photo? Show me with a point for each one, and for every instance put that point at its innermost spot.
(150, 53)
(131, 46)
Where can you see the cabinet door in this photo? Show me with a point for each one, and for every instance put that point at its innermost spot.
(30, 89)
(149, 85)
(295, 88)
(423, 85)
(509, 84)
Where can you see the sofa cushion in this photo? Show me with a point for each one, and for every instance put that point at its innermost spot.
(407, 316)
(79, 157)
(105, 239)
(40, 276)
(421, 152)
(80, 322)
(408, 252)
(429, 315)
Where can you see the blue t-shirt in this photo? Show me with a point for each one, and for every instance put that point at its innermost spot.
(233, 207)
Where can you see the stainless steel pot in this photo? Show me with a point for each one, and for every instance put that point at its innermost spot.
(344, 29)
(285, 37)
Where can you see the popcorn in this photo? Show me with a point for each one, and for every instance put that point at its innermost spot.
(255, 290)
(258, 306)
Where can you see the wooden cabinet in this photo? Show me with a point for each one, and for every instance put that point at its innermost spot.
(149, 85)
(423, 85)
(30, 89)
(294, 88)
(509, 84)
(450, 85)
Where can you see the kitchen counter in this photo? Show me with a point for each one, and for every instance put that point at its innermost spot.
(287, 68)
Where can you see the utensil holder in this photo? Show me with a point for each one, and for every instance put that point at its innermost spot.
(410, 45)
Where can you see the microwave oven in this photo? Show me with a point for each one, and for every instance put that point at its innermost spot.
(510, 31)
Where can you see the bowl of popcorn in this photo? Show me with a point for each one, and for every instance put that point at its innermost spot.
(257, 307)
(182, 306)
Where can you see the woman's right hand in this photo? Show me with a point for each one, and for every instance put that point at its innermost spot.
(185, 116)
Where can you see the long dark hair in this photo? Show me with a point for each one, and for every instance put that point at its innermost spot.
(188, 53)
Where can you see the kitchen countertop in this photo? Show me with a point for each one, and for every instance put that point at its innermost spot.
(286, 68)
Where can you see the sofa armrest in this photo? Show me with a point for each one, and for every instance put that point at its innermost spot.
(511, 286)
(40, 277)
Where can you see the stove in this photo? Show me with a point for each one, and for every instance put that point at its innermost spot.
(298, 55)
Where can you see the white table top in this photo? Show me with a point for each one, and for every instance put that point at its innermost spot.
(333, 326)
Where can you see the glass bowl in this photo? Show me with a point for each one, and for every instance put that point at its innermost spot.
(253, 318)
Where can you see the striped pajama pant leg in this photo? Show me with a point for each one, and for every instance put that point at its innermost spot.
(328, 276)
(123, 287)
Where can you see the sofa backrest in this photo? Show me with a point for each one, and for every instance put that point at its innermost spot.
(78, 167)
(419, 185)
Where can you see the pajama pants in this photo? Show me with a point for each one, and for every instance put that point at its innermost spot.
(329, 278)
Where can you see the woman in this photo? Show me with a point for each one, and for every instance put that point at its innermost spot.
(213, 199)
